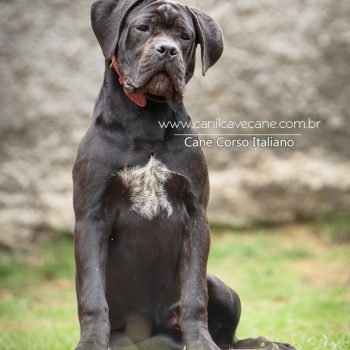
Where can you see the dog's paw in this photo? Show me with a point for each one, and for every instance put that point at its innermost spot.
(260, 343)
(284, 346)
(201, 345)
(91, 346)
(204, 342)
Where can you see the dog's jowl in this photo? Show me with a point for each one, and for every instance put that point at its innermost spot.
(140, 195)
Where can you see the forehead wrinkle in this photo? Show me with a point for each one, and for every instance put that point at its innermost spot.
(142, 17)
(167, 13)
(182, 24)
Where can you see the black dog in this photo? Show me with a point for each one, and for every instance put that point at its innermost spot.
(140, 196)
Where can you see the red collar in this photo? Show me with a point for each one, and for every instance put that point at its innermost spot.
(135, 97)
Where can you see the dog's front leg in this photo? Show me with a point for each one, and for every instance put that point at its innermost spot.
(91, 246)
(194, 293)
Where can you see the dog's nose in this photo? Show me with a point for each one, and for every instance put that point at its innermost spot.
(166, 49)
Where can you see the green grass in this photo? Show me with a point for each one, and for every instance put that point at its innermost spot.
(293, 282)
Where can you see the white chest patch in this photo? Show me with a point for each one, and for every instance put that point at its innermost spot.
(147, 188)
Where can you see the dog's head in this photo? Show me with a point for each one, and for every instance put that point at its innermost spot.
(155, 42)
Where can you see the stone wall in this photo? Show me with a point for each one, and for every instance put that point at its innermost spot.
(283, 61)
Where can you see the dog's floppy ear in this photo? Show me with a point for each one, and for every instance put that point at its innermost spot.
(209, 36)
(107, 20)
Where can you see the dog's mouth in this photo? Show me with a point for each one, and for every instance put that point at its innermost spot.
(163, 86)
(164, 82)
(159, 85)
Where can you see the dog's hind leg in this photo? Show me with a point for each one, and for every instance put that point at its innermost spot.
(224, 311)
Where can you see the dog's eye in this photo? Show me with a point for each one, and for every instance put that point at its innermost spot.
(185, 36)
(142, 28)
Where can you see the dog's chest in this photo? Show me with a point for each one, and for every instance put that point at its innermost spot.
(146, 188)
